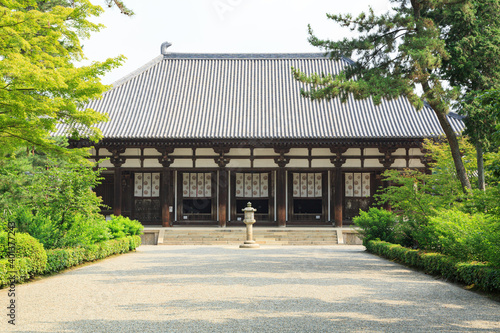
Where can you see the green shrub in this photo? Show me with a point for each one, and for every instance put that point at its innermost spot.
(107, 248)
(121, 226)
(481, 275)
(376, 224)
(26, 247)
(59, 259)
(85, 231)
(22, 271)
(134, 242)
(464, 236)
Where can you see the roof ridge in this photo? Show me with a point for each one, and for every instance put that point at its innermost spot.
(137, 72)
(291, 55)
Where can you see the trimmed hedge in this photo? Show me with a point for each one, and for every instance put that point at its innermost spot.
(59, 259)
(25, 247)
(22, 270)
(480, 275)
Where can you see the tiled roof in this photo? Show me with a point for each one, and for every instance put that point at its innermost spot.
(233, 96)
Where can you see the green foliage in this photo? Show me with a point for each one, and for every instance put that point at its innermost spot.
(40, 85)
(417, 196)
(376, 224)
(21, 271)
(478, 274)
(25, 247)
(394, 53)
(134, 242)
(121, 226)
(105, 249)
(51, 198)
(466, 237)
(60, 259)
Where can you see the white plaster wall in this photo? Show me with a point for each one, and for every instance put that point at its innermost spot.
(321, 152)
(399, 163)
(132, 163)
(264, 151)
(321, 164)
(352, 163)
(415, 152)
(372, 163)
(414, 163)
(152, 163)
(239, 152)
(182, 163)
(353, 152)
(372, 152)
(206, 163)
(132, 152)
(239, 164)
(105, 164)
(296, 163)
(206, 152)
(104, 152)
(182, 151)
(298, 152)
(92, 151)
(264, 164)
(400, 152)
(151, 152)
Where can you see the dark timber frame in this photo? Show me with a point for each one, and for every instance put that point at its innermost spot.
(280, 210)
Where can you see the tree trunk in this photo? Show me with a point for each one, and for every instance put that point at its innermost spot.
(455, 150)
(480, 166)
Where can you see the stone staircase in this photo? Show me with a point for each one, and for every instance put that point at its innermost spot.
(236, 236)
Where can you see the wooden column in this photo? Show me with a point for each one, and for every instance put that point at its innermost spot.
(280, 190)
(222, 183)
(281, 196)
(166, 195)
(223, 196)
(338, 197)
(117, 160)
(117, 204)
(166, 190)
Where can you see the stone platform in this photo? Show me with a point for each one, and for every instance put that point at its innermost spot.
(262, 235)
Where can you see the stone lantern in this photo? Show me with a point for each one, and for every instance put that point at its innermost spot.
(249, 221)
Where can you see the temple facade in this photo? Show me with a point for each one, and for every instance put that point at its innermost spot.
(193, 137)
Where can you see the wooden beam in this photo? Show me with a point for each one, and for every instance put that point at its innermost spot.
(281, 196)
(117, 205)
(338, 197)
(223, 183)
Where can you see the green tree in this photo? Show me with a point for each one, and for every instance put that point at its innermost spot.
(472, 35)
(40, 86)
(50, 196)
(394, 53)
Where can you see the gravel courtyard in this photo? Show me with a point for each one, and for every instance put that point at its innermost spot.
(227, 289)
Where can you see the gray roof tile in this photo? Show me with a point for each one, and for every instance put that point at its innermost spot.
(240, 96)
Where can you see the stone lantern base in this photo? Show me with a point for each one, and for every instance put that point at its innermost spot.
(249, 245)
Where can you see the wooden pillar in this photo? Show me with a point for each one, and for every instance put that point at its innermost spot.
(281, 196)
(223, 196)
(338, 197)
(166, 195)
(117, 204)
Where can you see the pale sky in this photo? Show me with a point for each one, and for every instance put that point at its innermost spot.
(216, 26)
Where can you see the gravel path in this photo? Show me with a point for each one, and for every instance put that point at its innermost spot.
(226, 289)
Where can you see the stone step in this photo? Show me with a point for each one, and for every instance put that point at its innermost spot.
(173, 236)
